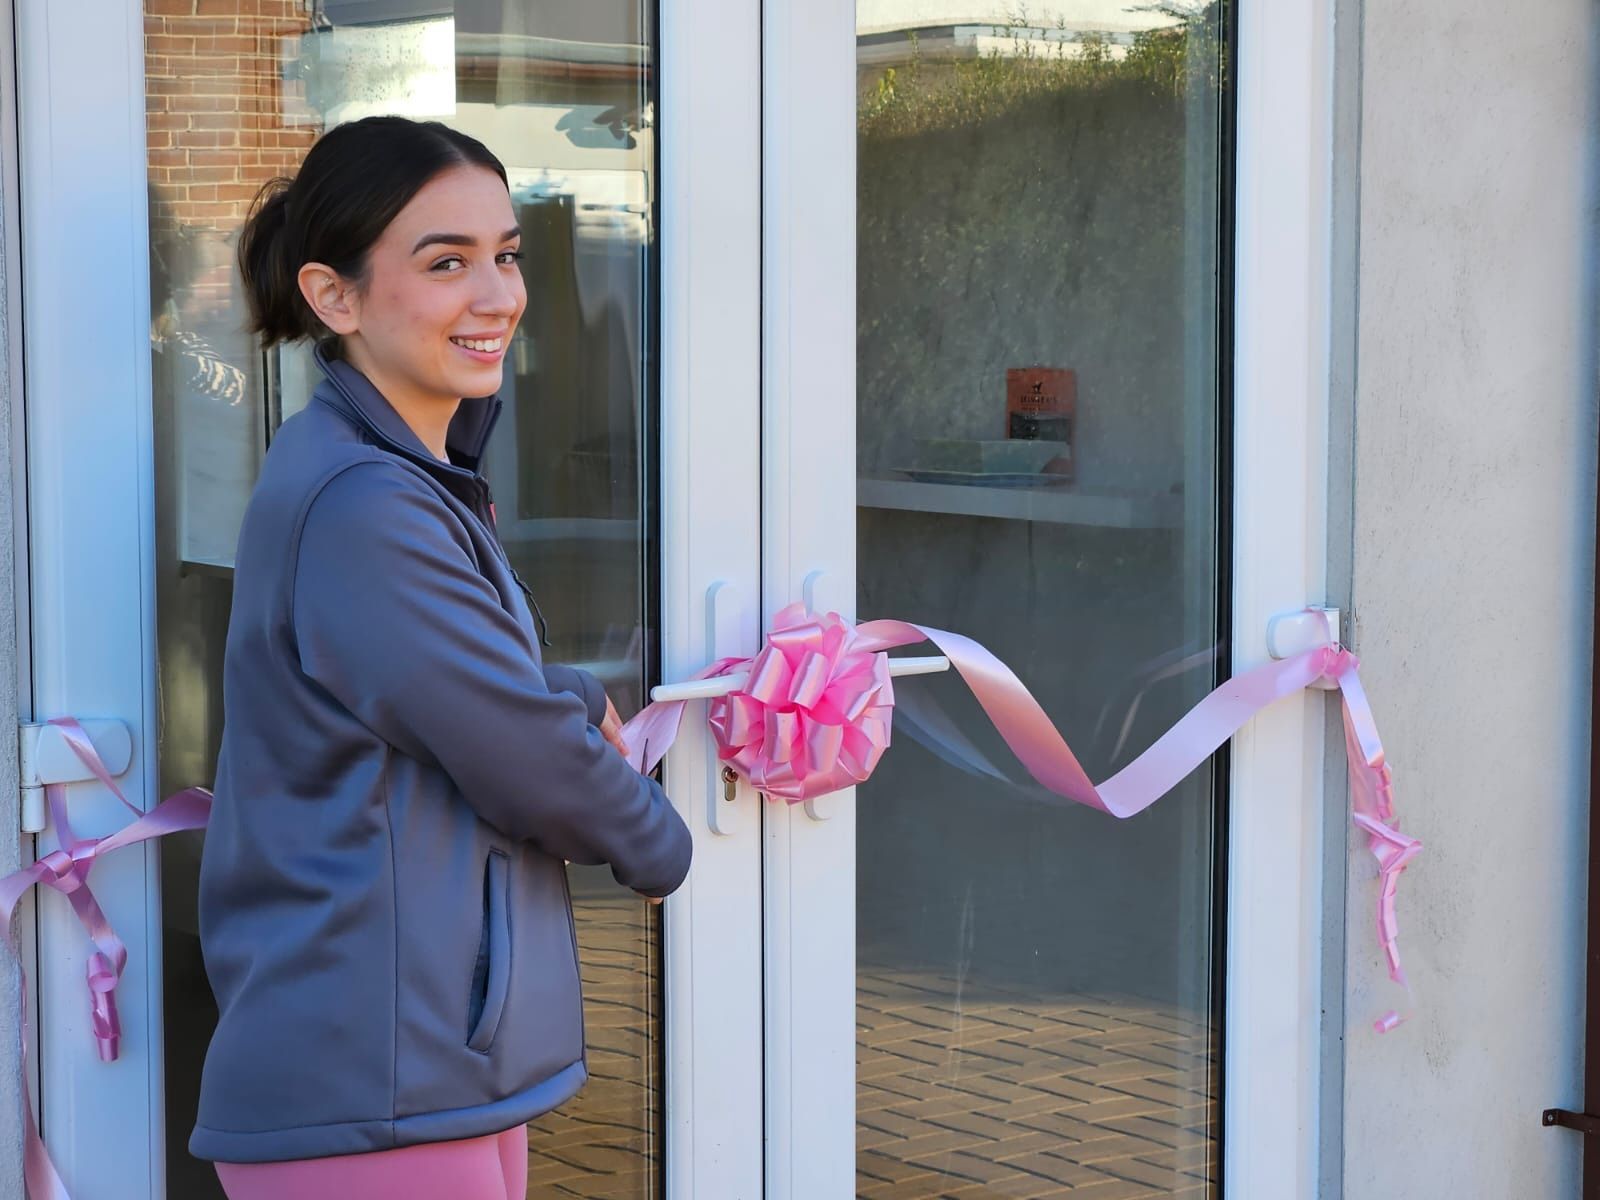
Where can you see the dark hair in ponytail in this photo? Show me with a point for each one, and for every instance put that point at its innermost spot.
(355, 180)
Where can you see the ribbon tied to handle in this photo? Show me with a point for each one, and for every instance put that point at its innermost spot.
(66, 870)
(816, 711)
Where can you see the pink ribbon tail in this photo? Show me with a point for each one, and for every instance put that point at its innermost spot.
(66, 870)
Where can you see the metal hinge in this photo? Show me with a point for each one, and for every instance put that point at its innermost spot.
(44, 756)
(1582, 1122)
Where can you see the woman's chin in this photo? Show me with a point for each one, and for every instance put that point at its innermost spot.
(480, 381)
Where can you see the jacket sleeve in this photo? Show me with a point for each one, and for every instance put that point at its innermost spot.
(392, 618)
(583, 685)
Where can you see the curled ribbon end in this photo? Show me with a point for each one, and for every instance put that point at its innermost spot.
(103, 1017)
(1390, 1020)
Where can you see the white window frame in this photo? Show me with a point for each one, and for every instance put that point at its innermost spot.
(1280, 449)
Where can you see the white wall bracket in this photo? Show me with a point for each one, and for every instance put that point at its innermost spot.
(1294, 633)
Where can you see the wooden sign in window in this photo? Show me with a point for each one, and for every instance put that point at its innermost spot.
(1041, 405)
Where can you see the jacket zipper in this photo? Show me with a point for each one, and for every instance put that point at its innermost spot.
(487, 499)
(484, 510)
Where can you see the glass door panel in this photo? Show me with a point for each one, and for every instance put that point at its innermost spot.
(1039, 396)
(565, 96)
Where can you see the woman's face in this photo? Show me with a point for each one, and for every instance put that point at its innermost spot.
(443, 293)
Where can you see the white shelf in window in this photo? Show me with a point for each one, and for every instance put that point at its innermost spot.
(1058, 504)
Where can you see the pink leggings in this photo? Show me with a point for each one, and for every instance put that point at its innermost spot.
(494, 1167)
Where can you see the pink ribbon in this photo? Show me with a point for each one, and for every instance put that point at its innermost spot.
(816, 711)
(66, 870)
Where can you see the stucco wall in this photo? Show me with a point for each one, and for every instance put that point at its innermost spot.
(1469, 558)
(10, 847)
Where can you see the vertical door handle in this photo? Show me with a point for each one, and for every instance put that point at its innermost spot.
(723, 612)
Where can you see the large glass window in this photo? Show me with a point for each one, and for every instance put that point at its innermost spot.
(1041, 303)
(565, 95)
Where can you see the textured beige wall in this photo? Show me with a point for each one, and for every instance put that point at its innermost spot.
(1470, 556)
(10, 818)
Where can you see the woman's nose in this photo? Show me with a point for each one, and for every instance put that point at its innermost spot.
(498, 297)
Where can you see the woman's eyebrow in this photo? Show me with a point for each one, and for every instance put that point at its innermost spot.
(458, 239)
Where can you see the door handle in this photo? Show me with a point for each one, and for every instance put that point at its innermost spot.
(721, 685)
(44, 756)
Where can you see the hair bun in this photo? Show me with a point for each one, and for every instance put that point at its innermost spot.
(269, 264)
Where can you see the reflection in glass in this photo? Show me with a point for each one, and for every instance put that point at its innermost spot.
(1039, 199)
(564, 94)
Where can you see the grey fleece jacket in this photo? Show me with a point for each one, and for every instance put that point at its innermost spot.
(384, 912)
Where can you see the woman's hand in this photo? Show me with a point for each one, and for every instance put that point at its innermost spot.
(611, 728)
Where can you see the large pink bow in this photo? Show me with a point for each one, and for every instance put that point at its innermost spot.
(815, 715)
(66, 870)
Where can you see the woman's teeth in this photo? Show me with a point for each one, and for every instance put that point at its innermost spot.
(486, 345)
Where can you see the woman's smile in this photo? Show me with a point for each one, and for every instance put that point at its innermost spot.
(483, 349)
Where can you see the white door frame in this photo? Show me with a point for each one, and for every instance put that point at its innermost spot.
(1272, 1054)
(808, 510)
(86, 352)
(17, 461)
(85, 295)
(710, 535)
(1279, 482)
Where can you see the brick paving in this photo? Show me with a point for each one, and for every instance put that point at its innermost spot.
(958, 1096)
(604, 1144)
(1010, 1094)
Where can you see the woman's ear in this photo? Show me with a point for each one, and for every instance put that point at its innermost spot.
(332, 297)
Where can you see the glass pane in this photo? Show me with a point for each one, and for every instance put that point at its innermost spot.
(565, 95)
(1039, 310)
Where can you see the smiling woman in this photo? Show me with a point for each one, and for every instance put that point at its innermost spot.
(372, 1000)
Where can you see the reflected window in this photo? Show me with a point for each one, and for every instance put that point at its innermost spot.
(565, 95)
(1039, 309)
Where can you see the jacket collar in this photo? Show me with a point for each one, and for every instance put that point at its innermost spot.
(348, 390)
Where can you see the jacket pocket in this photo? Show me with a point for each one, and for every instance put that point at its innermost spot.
(491, 974)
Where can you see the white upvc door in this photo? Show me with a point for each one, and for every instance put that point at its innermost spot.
(90, 498)
(1275, 501)
(758, 123)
